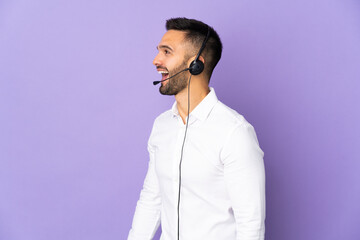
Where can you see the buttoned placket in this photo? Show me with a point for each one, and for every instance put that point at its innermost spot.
(177, 157)
(175, 169)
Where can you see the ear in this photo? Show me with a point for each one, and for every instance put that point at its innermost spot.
(202, 59)
(193, 58)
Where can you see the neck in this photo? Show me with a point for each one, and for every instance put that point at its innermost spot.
(198, 91)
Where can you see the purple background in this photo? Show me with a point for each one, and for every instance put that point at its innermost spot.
(77, 105)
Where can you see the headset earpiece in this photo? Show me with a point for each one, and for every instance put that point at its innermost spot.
(196, 67)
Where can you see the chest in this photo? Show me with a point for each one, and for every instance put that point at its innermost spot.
(199, 155)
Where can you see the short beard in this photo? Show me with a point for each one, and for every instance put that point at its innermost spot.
(175, 84)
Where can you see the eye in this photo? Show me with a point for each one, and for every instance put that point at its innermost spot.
(166, 51)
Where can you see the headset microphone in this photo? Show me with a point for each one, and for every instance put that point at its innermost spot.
(157, 82)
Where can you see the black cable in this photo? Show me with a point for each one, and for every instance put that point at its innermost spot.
(182, 151)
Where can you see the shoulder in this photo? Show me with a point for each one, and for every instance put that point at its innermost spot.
(229, 126)
(163, 124)
(235, 126)
(163, 118)
(240, 138)
(228, 117)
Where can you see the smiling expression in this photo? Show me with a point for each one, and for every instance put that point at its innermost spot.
(171, 59)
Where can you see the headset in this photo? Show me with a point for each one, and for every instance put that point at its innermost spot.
(196, 67)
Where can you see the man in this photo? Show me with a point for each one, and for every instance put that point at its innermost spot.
(206, 178)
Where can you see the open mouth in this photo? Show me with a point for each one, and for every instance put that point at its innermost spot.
(165, 74)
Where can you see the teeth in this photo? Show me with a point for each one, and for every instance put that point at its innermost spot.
(163, 72)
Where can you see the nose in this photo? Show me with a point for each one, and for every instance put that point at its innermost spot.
(157, 60)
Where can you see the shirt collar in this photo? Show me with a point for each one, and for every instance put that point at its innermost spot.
(203, 109)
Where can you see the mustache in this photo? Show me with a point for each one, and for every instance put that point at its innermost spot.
(162, 68)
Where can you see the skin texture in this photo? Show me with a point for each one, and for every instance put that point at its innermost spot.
(173, 56)
(177, 83)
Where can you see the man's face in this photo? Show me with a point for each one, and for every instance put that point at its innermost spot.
(171, 59)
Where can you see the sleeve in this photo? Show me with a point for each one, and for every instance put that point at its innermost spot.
(245, 180)
(147, 214)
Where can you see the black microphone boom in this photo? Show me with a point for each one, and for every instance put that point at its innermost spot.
(157, 82)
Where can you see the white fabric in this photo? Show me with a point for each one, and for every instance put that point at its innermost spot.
(222, 179)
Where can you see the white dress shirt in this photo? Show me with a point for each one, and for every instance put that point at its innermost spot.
(222, 178)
